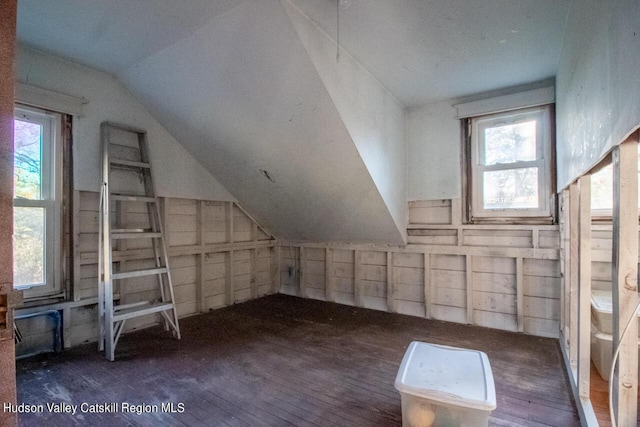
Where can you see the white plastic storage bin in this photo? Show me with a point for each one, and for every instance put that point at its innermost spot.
(602, 311)
(445, 386)
(602, 352)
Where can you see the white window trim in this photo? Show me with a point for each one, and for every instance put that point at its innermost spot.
(52, 172)
(543, 162)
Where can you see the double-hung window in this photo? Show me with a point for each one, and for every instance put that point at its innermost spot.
(511, 166)
(37, 190)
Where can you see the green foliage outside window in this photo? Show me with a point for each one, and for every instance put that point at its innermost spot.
(29, 222)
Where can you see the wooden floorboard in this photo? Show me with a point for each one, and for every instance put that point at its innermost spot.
(599, 389)
(286, 361)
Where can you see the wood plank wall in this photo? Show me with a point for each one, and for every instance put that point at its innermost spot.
(7, 295)
(588, 253)
(498, 276)
(218, 256)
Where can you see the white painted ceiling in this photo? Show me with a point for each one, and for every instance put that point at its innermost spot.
(421, 50)
(232, 81)
(425, 51)
(112, 35)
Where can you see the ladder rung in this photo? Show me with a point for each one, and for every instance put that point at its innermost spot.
(141, 310)
(132, 198)
(129, 163)
(136, 235)
(130, 230)
(139, 273)
(131, 305)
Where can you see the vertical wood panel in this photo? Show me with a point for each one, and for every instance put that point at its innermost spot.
(574, 201)
(328, 275)
(165, 219)
(303, 273)
(469, 286)
(7, 347)
(456, 211)
(229, 277)
(228, 225)
(228, 231)
(391, 287)
(275, 269)
(427, 285)
(254, 231)
(520, 293)
(357, 282)
(66, 325)
(625, 273)
(563, 270)
(253, 268)
(76, 245)
(584, 290)
(200, 259)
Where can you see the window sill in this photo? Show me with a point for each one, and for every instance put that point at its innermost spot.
(59, 305)
(38, 301)
(482, 226)
(513, 221)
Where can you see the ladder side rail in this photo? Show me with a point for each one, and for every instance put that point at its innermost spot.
(144, 153)
(153, 224)
(119, 245)
(101, 319)
(107, 262)
(150, 191)
(152, 208)
(119, 330)
(157, 256)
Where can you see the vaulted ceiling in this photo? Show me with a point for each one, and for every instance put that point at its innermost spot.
(423, 51)
(252, 85)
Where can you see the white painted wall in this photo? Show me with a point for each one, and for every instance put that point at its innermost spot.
(243, 95)
(434, 143)
(176, 172)
(597, 83)
(374, 118)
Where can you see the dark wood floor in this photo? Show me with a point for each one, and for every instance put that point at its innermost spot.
(281, 360)
(599, 389)
(600, 398)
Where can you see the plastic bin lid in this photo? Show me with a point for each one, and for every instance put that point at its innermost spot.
(448, 375)
(602, 301)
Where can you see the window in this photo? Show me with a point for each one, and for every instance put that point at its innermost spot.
(510, 162)
(602, 192)
(37, 189)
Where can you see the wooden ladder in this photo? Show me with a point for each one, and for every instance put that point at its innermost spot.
(133, 158)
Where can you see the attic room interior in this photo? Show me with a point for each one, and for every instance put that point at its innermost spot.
(319, 212)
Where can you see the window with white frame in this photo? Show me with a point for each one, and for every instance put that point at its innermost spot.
(511, 161)
(37, 192)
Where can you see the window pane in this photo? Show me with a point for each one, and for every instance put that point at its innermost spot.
(28, 248)
(511, 189)
(510, 143)
(602, 187)
(27, 175)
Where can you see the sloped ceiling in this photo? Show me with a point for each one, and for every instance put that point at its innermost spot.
(112, 35)
(374, 118)
(243, 96)
(233, 81)
(425, 51)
